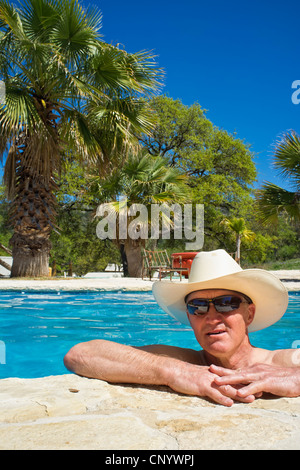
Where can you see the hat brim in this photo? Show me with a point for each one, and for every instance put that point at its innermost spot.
(266, 291)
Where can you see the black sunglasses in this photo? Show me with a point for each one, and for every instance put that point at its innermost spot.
(222, 304)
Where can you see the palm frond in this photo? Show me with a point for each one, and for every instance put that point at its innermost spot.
(76, 32)
(116, 69)
(147, 180)
(287, 157)
(9, 176)
(19, 110)
(38, 18)
(273, 200)
(143, 71)
(67, 91)
(10, 19)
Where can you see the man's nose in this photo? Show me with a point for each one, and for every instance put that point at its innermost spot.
(212, 312)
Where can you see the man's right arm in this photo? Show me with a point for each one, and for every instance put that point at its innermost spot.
(150, 365)
(117, 363)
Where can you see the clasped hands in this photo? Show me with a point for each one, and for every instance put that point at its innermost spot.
(247, 384)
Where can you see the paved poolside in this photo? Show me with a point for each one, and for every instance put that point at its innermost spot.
(107, 284)
(291, 279)
(68, 412)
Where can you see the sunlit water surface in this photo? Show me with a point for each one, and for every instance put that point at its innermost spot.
(38, 328)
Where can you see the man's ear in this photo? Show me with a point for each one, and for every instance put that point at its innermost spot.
(251, 314)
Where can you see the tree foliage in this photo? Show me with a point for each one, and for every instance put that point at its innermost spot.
(274, 200)
(67, 93)
(219, 167)
(141, 182)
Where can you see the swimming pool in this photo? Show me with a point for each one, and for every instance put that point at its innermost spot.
(38, 328)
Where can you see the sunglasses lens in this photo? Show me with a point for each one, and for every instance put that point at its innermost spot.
(197, 306)
(227, 303)
(222, 304)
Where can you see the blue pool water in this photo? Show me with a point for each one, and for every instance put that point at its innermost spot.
(38, 328)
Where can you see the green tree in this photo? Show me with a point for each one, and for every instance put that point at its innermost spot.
(77, 243)
(219, 166)
(274, 200)
(142, 180)
(181, 132)
(5, 232)
(76, 240)
(66, 92)
(239, 228)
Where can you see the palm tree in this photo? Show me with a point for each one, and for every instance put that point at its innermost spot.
(65, 89)
(272, 199)
(238, 226)
(144, 180)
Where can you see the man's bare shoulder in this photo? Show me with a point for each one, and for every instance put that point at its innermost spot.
(183, 354)
(278, 357)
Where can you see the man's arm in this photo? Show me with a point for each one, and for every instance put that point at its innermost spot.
(152, 365)
(286, 357)
(114, 362)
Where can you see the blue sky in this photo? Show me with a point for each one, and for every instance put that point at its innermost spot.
(237, 59)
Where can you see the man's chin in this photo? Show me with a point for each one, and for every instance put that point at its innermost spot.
(216, 343)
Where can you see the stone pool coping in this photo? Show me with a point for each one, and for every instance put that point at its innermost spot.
(71, 412)
(109, 284)
(291, 279)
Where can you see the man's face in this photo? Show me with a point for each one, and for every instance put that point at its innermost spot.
(221, 333)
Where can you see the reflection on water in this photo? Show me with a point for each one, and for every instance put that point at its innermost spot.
(38, 329)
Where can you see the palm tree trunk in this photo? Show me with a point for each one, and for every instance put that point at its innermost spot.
(238, 248)
(30, 256)
(32, 216)
(124, 260)
(134, 257)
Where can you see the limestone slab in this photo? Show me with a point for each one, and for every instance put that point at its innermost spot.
(71, 412)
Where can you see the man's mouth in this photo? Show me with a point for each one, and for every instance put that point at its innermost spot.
(215, 333)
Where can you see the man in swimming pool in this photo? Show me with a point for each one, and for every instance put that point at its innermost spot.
(222, 303)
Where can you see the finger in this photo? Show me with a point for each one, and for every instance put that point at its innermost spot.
(232, 393)
(246, 399)
(256, 388)
(238, 378)
(220, 398)
(220, 371)
(231, 375)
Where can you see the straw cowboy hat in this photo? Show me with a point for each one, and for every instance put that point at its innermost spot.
(218, 270)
